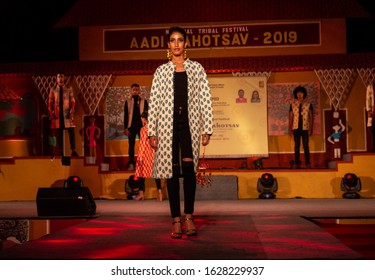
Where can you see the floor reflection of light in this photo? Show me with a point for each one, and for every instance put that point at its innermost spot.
(108, 230)
(96, 231)
(135, 251)
(60, 241)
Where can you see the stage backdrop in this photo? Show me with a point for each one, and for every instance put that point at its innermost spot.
(240, 118)
(240, 124)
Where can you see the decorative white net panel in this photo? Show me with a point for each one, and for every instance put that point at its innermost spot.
(252, 74)
(6, 94)
(337, 84)
(45, 83)
(92, 88)
(367, 75)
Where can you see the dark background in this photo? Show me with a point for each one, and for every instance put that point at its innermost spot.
(28, 33)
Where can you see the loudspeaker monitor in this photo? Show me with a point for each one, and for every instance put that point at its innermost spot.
(65, 202)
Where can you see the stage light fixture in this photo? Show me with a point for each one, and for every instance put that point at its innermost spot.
(351, 185)
(267, 186)
(73, 182)
(132, 186)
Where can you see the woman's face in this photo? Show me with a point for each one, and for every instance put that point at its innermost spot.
(176, 43)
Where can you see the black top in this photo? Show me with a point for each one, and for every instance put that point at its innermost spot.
(180, 95)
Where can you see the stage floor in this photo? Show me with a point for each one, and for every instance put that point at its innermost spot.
(227, 229)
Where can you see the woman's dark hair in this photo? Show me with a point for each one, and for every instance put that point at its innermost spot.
(176, 29)
(300, 89)
(144, 115)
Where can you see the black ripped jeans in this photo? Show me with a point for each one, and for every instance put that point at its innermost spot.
(182, 149)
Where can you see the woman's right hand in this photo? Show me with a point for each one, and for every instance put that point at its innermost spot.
(153, 142)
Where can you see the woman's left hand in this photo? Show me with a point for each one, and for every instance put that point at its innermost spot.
(205, 139)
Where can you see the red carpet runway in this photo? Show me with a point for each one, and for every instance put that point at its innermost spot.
(242, 229)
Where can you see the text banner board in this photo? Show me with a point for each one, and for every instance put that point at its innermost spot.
(240, 117)
(274, 34)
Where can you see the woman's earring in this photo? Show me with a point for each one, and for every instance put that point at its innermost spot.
(185, 55)
(169, 54)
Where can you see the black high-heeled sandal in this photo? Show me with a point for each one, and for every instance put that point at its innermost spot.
(192, 231)
(176, 235)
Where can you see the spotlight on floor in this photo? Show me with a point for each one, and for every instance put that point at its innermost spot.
(267, 186)
(132, 187)
(73, 182)
(351, 185)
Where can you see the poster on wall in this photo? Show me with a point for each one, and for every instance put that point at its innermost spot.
(280, 96)
(239, 117)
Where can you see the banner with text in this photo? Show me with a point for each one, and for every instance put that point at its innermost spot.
(240, 117)
(217, 36)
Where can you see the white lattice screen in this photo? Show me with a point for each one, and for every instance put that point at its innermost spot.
(337, 84)
(367, 75)
(45, 83)
(92, 88)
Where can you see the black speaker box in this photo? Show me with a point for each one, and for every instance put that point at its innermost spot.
(65, 202)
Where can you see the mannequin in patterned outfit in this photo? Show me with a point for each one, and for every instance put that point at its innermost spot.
(300, 125)
(61, 107)
(180, 117)
(145, 161)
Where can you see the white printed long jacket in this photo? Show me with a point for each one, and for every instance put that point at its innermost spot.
(160, 116)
